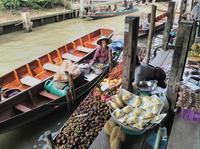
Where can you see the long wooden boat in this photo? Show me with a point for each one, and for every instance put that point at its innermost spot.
(32, 102)
(159, 25)
(101, 15)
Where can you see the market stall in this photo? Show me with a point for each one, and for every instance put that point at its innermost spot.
(186, 122)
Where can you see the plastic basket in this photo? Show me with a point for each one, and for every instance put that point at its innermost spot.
(189, 115)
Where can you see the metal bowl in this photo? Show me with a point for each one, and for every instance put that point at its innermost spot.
(147, 86)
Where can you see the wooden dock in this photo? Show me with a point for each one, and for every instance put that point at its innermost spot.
(184, 134)
(17, 25)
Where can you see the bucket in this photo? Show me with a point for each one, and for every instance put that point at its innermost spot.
(50, 87)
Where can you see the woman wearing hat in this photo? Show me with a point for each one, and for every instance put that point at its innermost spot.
(102, 52)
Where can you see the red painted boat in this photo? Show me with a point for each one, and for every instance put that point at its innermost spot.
(24, 98)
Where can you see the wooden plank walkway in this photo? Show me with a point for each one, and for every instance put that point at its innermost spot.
(184, 134)
(163, 58)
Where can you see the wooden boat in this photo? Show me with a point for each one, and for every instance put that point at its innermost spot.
(101, 15)
(32, 102)
(159, 25)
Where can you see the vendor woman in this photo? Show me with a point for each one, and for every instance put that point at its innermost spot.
(102, 52)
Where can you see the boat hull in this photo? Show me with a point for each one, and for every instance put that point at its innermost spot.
(101, 16)
(29, 105)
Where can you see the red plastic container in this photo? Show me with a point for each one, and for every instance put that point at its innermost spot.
(190, 115)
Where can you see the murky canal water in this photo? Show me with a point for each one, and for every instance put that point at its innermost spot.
(19, 48)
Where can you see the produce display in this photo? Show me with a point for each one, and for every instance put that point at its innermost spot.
(135, 112)
(195, 50)
(84, 125)
(188, 99)
(116, 134)
(88, 119)
(114, 79)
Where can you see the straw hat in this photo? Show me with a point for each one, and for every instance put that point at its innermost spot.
(104, 38)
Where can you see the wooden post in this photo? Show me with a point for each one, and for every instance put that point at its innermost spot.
(68, 96)
(151, 33)
(130, 51)
(110, 60)
(192, 5)
(179, 59)
(72, 90)
(27, 23)
(81, 8)
(49, 139)
(193, 35)
(169, 24)
(183, 8)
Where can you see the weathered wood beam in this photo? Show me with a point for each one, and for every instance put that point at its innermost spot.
(183, 8)
(130, 50)
(193, 35)
(169, 24)
(150, 35)
(179, 59)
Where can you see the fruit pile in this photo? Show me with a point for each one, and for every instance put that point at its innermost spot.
(88, 119)
(104, 96)
(84, 125)
(114, 79)
(136, 112)
(117, 136)
(195, 52)
(116, 72)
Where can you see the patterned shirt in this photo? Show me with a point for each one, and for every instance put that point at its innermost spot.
(101, 55)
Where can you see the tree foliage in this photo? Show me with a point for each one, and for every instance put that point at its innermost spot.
(35, 4)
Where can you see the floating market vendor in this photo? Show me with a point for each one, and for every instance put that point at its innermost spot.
(145, 72)
(115, 8)
(109, 9)
(146, 23)
(102, 52)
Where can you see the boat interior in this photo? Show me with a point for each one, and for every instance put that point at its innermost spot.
(27, 81)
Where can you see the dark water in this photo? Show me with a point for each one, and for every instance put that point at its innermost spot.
(31, 135)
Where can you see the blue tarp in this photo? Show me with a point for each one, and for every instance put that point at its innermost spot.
(117, 45)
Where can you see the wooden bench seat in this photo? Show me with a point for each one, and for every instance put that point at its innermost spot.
(22, 108)
(49, 95)
(71, 57)
(85, 49)
(51, 67)
(30, 81)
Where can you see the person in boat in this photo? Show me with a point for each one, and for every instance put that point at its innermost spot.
(125, 4)
(130, 6)
(115, 8)
(146, 23)
(109, 9)
(102, 52)
(146, 72)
